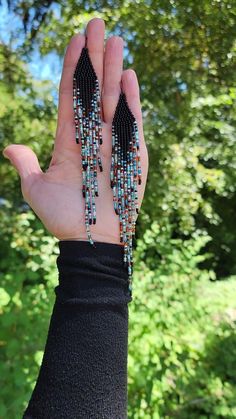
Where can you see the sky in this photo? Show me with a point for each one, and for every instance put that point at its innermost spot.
(46, 67)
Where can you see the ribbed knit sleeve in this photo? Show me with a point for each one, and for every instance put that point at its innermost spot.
(83, 374)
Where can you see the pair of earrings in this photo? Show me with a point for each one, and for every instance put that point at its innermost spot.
(125, 172)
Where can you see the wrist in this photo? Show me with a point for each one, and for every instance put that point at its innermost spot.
(96, 238)
(86, 271)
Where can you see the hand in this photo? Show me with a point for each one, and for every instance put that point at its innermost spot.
(56, 194)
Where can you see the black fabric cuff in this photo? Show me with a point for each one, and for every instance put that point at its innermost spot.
(91, 275)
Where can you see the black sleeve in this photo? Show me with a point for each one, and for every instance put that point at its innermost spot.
(84, 369)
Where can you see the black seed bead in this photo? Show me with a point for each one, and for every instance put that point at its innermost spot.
(86, 97)
(125, 176)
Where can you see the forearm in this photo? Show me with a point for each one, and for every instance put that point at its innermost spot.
(84, 369)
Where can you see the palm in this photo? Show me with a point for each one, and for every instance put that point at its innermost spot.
(57, 199)
(56, 194)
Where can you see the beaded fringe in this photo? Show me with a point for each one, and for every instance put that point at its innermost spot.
(125, 172)
(88, 131)
(125, 176)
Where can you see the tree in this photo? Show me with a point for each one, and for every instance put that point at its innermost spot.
(184, 55)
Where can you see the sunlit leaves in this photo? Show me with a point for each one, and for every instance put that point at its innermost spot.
(182, 321)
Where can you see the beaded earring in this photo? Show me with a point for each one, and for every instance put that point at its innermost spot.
(125, 176)
(88, 131)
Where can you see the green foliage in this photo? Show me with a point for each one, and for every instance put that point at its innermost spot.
(182, 334)
(182, 321)
(27, 252)
(28, 276)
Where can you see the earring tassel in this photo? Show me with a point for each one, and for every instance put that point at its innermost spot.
(88, 131)
(125, 176)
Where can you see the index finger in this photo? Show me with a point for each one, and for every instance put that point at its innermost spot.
(65, 135)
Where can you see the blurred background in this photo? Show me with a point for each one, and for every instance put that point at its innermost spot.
(182, 336)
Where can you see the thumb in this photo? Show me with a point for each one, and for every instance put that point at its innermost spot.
(23, 159)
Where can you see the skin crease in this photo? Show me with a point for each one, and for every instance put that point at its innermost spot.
(56, 194)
